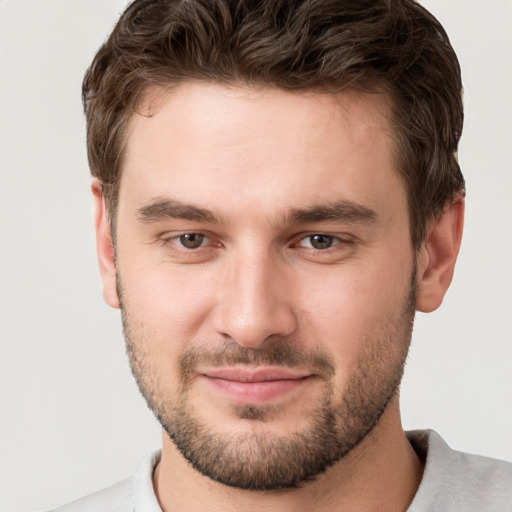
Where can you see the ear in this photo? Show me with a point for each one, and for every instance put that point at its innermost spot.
(437, 256)
(104, 246)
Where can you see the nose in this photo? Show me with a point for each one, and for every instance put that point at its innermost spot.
(254, 302)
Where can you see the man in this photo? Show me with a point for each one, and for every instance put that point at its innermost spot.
(276, 192)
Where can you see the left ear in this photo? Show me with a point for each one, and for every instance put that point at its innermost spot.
(437, 256)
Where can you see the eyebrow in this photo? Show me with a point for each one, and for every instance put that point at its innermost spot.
(337, 211)
(172, 209)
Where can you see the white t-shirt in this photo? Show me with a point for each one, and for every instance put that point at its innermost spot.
(452, 481)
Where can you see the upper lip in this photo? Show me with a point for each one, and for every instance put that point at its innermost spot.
(247, 374)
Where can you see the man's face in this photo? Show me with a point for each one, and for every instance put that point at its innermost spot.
(266, 275)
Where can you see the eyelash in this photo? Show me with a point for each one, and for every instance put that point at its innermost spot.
(175, 240)
(335, 240)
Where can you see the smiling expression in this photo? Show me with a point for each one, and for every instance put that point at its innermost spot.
(265, 273)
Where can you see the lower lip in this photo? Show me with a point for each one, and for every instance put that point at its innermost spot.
(255, 392)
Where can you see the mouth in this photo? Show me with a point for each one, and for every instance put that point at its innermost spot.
(254, 385)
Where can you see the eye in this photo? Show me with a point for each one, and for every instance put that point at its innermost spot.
(318, 241)
(191, 240)
(189, 246)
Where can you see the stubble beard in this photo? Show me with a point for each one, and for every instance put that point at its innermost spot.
(255, 459)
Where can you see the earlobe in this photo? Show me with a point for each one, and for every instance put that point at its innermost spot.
(437, 257)
(104, 246)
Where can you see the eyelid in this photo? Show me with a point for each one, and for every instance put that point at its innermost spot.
(340, 238)
(173, 239)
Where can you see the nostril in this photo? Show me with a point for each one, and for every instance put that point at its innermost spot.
(250, 328)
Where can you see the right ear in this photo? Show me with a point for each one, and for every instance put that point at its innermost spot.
(104, 245)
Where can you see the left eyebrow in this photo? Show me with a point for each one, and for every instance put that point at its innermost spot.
(337, 211)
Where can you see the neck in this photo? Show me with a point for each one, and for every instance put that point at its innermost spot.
(382, 473)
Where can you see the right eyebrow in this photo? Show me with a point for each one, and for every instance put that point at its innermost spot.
(172, 209)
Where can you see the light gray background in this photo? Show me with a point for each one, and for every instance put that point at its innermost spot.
(72, 420)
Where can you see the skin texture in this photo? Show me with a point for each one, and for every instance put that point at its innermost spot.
(252, 175)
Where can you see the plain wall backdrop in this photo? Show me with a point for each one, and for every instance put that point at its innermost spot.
(72, 420)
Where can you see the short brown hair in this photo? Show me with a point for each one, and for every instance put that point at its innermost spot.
(394, 46)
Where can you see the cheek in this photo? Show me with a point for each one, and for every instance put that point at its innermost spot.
(169, 305)
(353, 306)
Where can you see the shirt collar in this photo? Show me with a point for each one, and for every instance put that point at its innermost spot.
(144, 498)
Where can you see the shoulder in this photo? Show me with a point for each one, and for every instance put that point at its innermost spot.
(116, 498)
(132, 494)
(454, 480)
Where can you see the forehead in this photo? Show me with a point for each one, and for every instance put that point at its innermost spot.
(259, 146)
(210, 106)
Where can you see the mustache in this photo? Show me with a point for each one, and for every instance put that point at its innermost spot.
(279, 353)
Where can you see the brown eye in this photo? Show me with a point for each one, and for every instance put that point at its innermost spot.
(192, 240)
(321, 241)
